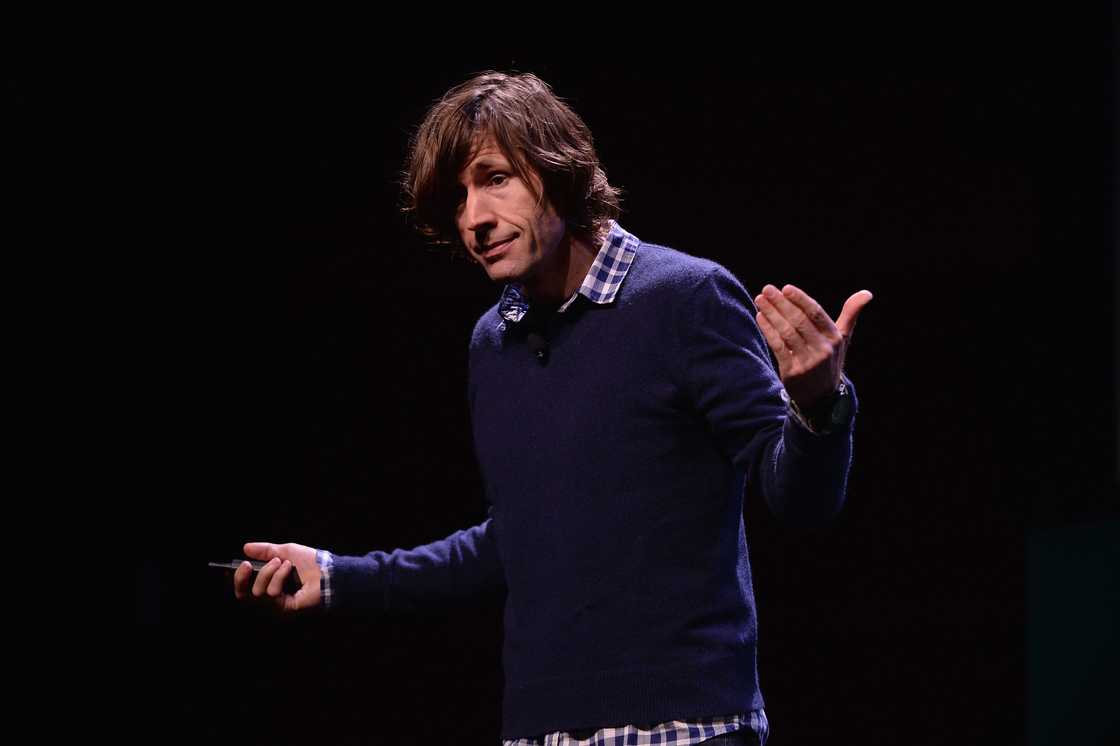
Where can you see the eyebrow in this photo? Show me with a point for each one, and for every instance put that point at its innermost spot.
(487, 163)
(481, 166)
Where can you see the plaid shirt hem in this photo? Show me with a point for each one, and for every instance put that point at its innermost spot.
(675, 732)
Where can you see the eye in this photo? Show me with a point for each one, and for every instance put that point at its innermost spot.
(498, 179)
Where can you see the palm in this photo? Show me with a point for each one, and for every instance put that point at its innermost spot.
(809, 346)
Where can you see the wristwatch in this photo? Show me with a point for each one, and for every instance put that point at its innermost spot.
(831, 413)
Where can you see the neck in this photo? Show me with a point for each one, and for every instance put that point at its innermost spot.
(557, 282)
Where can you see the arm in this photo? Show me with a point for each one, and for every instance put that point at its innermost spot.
(801, 474)
(464, 564)
(461, 565)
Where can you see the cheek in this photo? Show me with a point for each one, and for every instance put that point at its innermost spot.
(553, 228)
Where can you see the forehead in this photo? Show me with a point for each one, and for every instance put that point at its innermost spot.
(484, 154)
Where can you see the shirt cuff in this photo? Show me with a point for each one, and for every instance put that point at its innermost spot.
(326, 561)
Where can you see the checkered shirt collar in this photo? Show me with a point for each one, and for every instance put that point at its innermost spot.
(600, 285)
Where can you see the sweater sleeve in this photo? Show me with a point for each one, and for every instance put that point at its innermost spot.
(732, 380)
(462, 565)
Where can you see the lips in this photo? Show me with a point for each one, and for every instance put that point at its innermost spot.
(494, 248)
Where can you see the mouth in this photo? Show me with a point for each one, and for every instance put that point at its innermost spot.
(489, 251)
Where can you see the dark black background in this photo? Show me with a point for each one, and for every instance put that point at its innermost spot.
(296, 358)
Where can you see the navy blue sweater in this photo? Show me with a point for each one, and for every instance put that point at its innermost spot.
(615, 473)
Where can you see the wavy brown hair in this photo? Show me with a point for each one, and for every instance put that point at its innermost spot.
(535, 130)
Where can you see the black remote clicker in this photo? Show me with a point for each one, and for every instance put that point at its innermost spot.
(292, 583)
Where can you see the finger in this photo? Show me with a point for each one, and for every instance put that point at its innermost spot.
(796, 317)
(846, 323)
(260, 585)
(260, 550)
(813, 312)
(241, 577)
(276, 585)
(789, 334)
(294, 602)
(777, 344)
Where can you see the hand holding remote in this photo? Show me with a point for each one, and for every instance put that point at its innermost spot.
(268, 584)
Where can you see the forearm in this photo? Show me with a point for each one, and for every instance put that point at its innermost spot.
(464, 564)
(803, 475)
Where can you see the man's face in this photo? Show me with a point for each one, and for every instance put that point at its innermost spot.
(500, 221)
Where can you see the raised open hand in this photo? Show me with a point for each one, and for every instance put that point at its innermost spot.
(810, 348)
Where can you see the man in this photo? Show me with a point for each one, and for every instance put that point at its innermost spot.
(622, 396)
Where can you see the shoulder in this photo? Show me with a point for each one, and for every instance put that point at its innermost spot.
(663, 271)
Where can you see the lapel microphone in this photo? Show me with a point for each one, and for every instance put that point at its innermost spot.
(538, 345)
(536, 325)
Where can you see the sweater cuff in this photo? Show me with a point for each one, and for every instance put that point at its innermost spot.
(357, 583)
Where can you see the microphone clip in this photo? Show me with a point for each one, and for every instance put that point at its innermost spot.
(538, 345)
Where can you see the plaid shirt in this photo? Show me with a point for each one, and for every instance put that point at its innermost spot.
(600, 286)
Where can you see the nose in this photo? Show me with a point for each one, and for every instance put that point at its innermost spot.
(478, 214)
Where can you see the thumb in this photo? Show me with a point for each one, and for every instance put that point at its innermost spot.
(852, 307)
(261, 550)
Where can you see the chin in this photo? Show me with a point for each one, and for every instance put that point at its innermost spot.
(501, 272)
